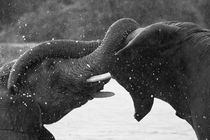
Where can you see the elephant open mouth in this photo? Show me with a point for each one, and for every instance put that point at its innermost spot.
(90, 92)
(94, 89)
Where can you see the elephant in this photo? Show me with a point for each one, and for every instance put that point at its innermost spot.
(44, 98)
(54, 77)
(168, 60)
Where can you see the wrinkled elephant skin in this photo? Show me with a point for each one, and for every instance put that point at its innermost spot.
(169, 61)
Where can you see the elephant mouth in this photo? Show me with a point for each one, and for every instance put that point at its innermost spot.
(95, 90)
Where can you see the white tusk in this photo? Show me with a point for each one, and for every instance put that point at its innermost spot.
(100, 77)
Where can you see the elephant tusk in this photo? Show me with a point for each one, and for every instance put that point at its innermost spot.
(101, 94)
(100, 77)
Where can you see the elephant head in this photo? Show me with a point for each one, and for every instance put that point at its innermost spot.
(169, 61)
(57, 74)
(43, 98)
(139, 62)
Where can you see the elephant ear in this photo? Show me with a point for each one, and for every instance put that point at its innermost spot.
(156, 36)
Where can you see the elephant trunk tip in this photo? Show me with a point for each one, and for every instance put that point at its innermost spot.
(138, 117)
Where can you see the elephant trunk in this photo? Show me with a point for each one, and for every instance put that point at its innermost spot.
(49, 49)
(103, 58)
(93, 61)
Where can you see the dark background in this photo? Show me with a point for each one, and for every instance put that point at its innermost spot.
(26, 21)
(41, 20)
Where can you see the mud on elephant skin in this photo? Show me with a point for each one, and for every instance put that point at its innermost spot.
(170, 61)
(56, 75)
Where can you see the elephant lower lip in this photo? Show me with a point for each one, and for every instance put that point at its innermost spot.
(102, 94)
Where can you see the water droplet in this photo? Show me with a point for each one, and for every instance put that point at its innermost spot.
(24, 37)
(24, 103)
(204, 117)
(28, 95)
(88, 65)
